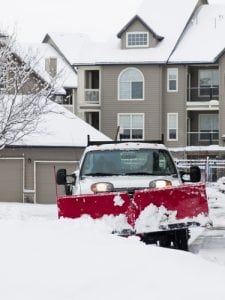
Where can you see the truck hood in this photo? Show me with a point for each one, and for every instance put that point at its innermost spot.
(120, 182)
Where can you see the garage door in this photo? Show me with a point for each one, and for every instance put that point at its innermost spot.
(45, 180)
(11, 180)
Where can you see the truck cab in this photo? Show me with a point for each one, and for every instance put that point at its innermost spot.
(124, 166)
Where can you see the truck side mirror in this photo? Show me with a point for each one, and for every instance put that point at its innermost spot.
(61, 177)
(195, 174)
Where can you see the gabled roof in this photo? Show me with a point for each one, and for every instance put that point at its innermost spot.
(66, 76)
(61, 128)
(137, 18)
(203, 40)
(70, 45)
(159, 15)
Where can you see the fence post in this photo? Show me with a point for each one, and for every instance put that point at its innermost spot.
(207, 169)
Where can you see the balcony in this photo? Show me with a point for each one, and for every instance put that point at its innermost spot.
(91, 96)
(203, 138)
(203, 93)
(203, 97)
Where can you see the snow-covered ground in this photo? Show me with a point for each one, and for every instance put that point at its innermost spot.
(44, 258)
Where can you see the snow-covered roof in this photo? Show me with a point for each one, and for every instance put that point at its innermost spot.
(66, 77)
(71, 45)
(158, 15)
(61, 128)
(203, 39)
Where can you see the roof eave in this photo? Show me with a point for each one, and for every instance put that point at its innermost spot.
(136, 17)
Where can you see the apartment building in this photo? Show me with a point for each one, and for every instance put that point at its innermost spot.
(161, 76)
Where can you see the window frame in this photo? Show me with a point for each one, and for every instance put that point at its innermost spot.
(168, 80)
(169, 128)
(136, 33)
(131, 128)
(119, 83)
(199, 86)
(199, 129)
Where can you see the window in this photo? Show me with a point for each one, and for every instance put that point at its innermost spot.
(92, 118)
(208, 127)
(92, 81)
(131, 126)
(51, 66)
(172, 80)
(137, 39)
(208, 83)
(172, 126)
(131, 82)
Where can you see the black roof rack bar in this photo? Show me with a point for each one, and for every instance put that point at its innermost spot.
(97, 143)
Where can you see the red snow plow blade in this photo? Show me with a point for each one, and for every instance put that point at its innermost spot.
(188, 200)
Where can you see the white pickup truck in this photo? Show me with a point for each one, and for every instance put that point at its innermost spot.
(112, 167)
(126, 178)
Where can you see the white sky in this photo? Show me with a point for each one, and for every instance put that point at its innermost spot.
(100, 18)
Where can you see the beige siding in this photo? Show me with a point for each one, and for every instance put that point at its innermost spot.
(30, 155)
(150, 106)
(137, 26)
(11, 180)
(45, 181)
(175, 102)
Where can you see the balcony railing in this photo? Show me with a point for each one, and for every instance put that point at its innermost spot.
(203, 93)
(203, 138)
(91, 96)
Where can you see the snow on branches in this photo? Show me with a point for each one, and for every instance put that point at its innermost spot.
(24, 94)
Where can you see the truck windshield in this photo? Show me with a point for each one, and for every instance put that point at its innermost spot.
(128, 162)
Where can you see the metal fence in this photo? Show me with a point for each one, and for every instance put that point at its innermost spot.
(211, 169)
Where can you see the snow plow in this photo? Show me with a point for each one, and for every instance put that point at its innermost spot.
(139, 182)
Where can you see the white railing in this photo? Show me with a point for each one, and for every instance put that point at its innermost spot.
(211, 169)
(91, 95)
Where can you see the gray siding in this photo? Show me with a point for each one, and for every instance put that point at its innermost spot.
(137, 26)
(30, 156)
(11, 180)
(150, 106)
(175, 102)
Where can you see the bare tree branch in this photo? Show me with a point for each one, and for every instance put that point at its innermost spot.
(24, 94)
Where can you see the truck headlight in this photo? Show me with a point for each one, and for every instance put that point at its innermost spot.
(102, 187)
(161, 183)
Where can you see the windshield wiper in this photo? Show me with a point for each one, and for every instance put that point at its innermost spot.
(101, 174)
(139, 173)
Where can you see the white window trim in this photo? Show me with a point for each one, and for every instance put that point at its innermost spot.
(82, 102)
(94, 110)
(133, 114)
(137, 46)
(168, 128)
(168, 80)
(118, 86)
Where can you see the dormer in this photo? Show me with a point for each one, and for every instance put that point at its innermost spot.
(137, 34)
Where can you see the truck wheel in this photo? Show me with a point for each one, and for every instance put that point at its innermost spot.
(181, 243)
(165, 243)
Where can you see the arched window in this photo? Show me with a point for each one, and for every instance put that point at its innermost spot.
(131, 85)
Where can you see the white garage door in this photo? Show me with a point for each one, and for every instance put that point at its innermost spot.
(45, 180)
(11, 180)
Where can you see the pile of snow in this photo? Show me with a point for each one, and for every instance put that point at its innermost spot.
(221, 184)
(217, 205)
(42, 257)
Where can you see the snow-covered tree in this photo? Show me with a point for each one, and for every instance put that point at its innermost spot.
(24, 94)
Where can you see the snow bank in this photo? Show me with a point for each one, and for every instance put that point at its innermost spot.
(42, 257)
(78, 259)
